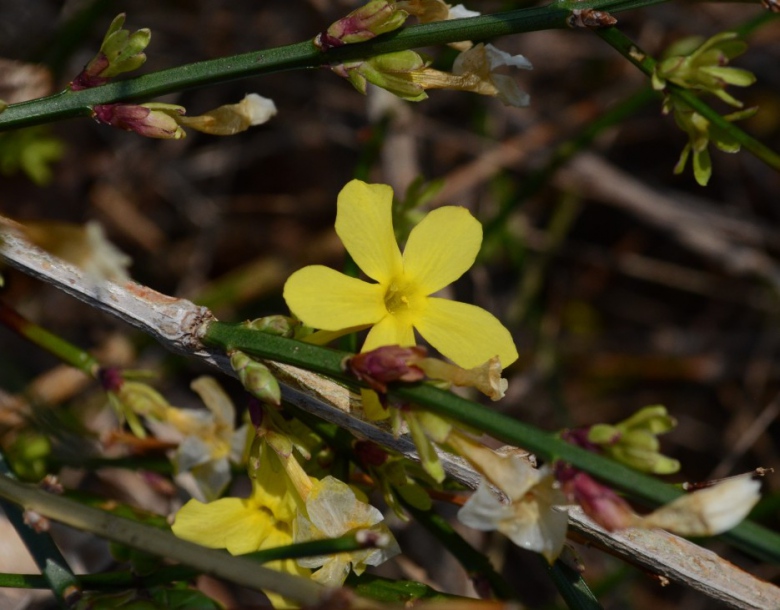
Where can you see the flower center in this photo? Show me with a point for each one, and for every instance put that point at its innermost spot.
(397, 297)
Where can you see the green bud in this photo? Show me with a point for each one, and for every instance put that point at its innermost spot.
(634, 442)
(281, 326)
(120, 52)
(256, 378)
(124, 50)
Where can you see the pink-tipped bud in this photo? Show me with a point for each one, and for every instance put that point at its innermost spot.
(599, 502)
(149, 120)
(386, 364)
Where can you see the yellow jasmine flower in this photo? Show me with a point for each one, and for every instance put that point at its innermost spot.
(439, 250)
(262, 521)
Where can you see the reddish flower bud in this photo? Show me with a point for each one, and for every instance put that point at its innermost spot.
(599, 502)
(151, 120)
(386, 364)
(370, 454)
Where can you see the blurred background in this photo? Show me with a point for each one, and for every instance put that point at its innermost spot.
(623, 284)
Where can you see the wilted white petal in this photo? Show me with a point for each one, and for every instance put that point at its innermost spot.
(192, 451)
(499, 58)
(257, 108)
(709, 511)
(105, 261)
(530, 521)
(333, 573)
(461, 12)
(510, 92)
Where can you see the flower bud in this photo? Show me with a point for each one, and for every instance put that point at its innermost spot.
(375, 18)
(599, 502)
(384, 365)
(256, 378)
(281, 326)
(153, 120)
(120, 52)
(391, 71)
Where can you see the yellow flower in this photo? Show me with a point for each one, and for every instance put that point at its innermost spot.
(262, 521)
(439, 250)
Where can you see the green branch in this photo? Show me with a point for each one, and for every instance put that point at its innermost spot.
(626, 47)
(71, 104)
(757, 540)
(152, 540)
(55, 573)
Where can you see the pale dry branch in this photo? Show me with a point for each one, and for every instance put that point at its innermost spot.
(177, 324)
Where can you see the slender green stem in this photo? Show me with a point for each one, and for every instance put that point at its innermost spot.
(70, 104)
(748, 536)
(126, 579)
(152, 540)
(573, 589)
(67, 352)
(626, 47)
(55, 573)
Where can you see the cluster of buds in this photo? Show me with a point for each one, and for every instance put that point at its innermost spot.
(703, 68)
(120, 52)
(634, 441)
(167, 121)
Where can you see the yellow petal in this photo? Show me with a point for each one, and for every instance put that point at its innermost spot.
(364, 222)
(326, 299)
(390, 330)
(442, 248)
(466, 334)
(230, 523)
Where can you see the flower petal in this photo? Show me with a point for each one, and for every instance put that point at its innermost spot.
(442, 248)
(390, 330)
(466, 334)
(326, 299)
(364, 222)
(230, 523)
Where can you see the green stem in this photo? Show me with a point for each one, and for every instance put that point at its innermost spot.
(67, 352)
(626, 47)
(571, 586)
(755, 539)
(126, 579)
(71, 104)
(55, 573)
(152, 540)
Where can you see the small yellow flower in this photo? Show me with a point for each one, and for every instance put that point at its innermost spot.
(439, 250)
(262, 521)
